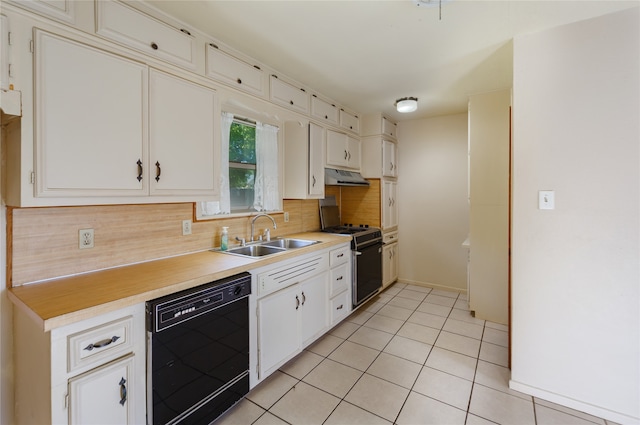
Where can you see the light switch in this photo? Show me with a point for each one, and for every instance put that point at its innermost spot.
(546, 200)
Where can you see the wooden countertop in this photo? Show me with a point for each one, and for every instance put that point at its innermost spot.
(62, 301)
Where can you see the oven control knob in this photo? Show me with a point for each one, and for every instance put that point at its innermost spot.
(237, 290)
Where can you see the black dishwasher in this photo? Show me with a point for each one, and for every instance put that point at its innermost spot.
(198, 352)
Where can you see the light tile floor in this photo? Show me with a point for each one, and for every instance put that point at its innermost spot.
(412, 355)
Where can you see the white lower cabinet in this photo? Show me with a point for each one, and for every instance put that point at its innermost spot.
(289, 320)
(390, 259)
(297, 301)
(101, 396)
(340, 284)
(88, 372)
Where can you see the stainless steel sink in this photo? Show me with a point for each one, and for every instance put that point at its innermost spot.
(255, 250)
(272, 247)
(287, 243)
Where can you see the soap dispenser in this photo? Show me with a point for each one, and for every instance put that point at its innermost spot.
(224, 239)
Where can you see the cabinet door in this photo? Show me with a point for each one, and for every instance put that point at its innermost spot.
(316, 161)
(389, 264)
(103, 395)
(353, 148)
(349, 121)
(181, 134)
(314, 304)
(89, 137)
(388, 128)
(325, 111)
(278, 328)
(389, 205)
(123, 24)
(389, 165)
(230, 70)
(337, 153)
(289, 96)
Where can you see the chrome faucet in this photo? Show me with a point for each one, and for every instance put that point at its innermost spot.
(253, 221)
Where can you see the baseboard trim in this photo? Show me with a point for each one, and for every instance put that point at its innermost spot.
(591, 409)
(432, 285)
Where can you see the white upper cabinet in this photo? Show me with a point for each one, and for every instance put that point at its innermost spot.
(89, 137)
(139, 132)
(389, 159)
(289, 96)
(342, 150)
(61, 10)
(389, 205)
(304, 160)
(181, 136)
(379, 125)
(130, 27)
(232, 71)
(379, 157)
(349, 121)
(323, 110)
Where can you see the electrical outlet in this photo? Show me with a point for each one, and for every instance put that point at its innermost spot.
(286, 217)
(186, 227)
(85, 238)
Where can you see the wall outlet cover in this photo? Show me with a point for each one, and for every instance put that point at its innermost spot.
(546, 200)
(85, 238)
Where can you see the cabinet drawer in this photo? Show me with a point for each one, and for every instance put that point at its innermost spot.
(100, 343)
(233, 71)
(123, 24)
(340, 307)
(287, 95)
(323, 110)
(281, 277)
(340, 279)
(339, 256)
(390, 237)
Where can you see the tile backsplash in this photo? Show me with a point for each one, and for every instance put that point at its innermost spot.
(43, 242)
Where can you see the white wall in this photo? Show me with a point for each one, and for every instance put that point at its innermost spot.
(576, 270)
(432, 198)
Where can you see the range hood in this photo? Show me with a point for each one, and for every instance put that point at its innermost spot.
(333, 177)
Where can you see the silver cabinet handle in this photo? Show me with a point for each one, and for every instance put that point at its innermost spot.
(102, 343)
(123, 391)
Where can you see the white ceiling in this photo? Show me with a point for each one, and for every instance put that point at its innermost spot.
(366, 54)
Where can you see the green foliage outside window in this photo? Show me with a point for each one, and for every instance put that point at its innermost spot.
(242, 165)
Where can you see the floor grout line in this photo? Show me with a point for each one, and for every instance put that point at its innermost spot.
(380, 303)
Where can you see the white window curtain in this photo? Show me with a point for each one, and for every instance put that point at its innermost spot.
(224, 205)
(266, 193)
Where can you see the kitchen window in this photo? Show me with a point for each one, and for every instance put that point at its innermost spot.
(249, 165)
(242, 165)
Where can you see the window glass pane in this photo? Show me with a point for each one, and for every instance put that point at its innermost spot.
(242, 143)
(242, 166)
(241, 182)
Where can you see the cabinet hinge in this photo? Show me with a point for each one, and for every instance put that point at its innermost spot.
(10, 70)
(9, 38)
(32, 178)
(31, 46)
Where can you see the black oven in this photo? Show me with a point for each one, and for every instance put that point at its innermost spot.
(198, 352)
(367, 266)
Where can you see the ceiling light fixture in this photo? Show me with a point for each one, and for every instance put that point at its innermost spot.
(407, 104)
